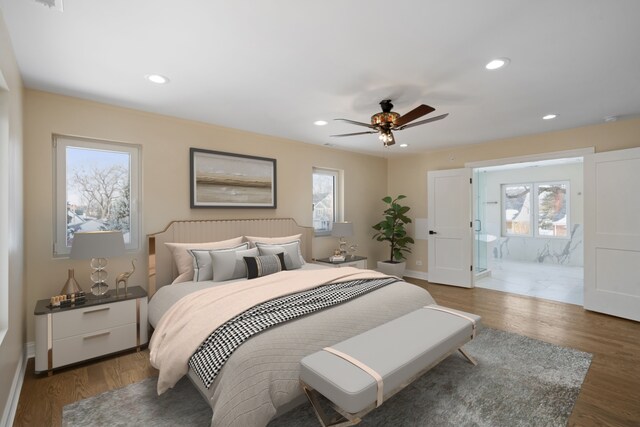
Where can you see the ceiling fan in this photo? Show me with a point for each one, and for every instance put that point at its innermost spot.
(387, 121)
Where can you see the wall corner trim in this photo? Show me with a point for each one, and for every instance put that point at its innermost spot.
(11, 405)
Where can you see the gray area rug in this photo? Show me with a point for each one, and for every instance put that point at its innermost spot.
(519, 381)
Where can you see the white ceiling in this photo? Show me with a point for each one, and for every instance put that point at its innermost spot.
(274, 67)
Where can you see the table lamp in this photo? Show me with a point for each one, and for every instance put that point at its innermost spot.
(97, 245)
(342, 230)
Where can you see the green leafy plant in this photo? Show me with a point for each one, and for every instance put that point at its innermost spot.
(392, 229)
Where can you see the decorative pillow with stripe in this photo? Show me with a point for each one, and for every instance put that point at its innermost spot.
(291, 250)
(229, 265)
(183, 260)
(264, 265)
(202, 266)
(276, 241)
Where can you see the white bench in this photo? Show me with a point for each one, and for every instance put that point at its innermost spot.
(358, 374)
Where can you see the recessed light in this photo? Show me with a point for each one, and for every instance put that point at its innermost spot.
(320, 122)
(157, 78)
(549, 117)
(497, 63)
(404, 145)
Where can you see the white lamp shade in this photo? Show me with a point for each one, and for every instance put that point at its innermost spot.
(342, 229)
(97, 244)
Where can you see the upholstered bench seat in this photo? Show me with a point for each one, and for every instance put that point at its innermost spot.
(396, 352)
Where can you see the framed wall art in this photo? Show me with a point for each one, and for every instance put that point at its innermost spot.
(228, 180)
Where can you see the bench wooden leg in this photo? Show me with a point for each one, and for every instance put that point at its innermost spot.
(340, 419)
(468, 356)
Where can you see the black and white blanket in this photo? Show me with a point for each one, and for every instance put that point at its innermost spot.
(212, 354)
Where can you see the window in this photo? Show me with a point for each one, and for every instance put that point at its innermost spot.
(536, 209)
(97, 187)
(327, 205)
(517, 209)
(552, 208)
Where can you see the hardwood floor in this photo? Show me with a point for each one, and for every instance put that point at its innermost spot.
(42, 398)
(610, 395)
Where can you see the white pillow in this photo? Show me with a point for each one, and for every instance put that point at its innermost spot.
(229, 265)
(277, 241)
(291, 250)
(273, 240)
(183, 259)
(202, 268)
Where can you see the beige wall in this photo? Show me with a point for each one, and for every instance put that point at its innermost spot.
(408, 174)
(12, 345)
(165, 158)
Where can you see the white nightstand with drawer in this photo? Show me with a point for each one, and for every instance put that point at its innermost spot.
(98, 327)
(352, 261)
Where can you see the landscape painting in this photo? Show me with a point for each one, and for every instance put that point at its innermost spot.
(227, 180)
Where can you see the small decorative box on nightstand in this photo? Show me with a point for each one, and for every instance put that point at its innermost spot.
(350, 261)
(99, 326)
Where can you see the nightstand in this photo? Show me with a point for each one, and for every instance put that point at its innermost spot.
(352, 261)
(100, 326)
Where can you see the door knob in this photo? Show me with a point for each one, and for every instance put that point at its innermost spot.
(432, 232)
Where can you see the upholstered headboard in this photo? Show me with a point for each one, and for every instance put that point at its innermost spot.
(162, 269)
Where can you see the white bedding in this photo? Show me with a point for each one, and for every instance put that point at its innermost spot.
(168, 295)
(260, 379)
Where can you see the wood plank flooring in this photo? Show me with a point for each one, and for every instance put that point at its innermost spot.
(610, 395)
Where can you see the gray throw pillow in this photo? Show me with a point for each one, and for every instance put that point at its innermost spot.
(291, 250)
(230, 265)
(202, 269)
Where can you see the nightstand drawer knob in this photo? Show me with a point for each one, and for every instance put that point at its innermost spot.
(99, 334)
(96, 310)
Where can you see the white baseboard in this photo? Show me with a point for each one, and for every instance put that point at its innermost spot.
(9, 413)
(31, 349)
(417, 274)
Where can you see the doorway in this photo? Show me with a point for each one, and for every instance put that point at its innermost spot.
(528, 228)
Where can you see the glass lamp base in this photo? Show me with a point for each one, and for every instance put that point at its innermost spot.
(99, 288)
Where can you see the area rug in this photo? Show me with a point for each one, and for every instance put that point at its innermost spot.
(519, 381)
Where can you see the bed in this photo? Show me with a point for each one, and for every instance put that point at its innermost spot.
(260, 379)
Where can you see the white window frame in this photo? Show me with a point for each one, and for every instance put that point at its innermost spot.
(338, 211)
(4, 207)
(60, 144)
(534, 211)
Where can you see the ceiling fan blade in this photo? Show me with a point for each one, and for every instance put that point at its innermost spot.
(422, 122)
(352, 134)
(370, 126)
(416, 113)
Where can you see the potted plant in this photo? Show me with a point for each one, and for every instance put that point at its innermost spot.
(392, 229)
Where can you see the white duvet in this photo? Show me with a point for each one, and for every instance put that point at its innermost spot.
(194, 317)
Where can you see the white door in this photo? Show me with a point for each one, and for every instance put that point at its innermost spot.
(449, 213)
(612, 233)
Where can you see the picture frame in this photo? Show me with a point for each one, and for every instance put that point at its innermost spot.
(230, 180)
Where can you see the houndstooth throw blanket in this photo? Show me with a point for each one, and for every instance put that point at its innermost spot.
(212, 354)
